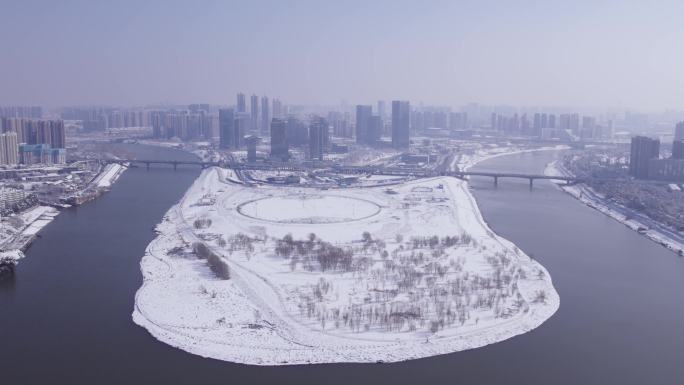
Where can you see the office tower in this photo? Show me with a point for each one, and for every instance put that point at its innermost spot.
(265, 115)
(9, 149)
(277, 108)
(241, 103)
(374, 130)
(241, 126)
(679, 131)
(400, 124)
(318, 132)
(363, 115)
(254, 114)
(226, 127)
(678, 149)
(251, 141)
(279, 140)
(537, 121)
(381, 109)
(642, 151)
(297, 132)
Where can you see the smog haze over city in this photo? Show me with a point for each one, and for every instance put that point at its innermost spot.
(334, 192)
(552, 53)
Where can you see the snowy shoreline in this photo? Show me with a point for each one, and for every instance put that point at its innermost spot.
(37, 217)
(252, 318)
(630, 218)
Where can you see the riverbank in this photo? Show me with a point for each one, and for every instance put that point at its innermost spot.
(265, 313)
(19, 230)
(634, 220)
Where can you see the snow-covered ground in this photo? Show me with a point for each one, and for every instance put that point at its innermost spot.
(338, 275)
(109, 175)
(465, 162)
(18, 231)
(633, 219)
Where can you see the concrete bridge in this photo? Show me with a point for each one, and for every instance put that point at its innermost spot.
(497, 175)
(352, 170)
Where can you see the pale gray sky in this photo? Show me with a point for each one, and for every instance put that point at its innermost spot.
(569, 53)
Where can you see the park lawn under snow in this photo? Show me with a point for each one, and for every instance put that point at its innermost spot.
(341, 275)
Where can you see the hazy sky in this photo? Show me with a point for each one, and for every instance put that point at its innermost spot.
(543, 52)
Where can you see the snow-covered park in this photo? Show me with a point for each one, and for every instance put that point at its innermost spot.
(274, 275)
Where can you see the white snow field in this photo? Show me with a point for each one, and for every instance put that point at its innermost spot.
(376, 274)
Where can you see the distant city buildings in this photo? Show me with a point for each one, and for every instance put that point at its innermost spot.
(31, 112)
(401, 115)
(191, 124)
(102, 118)
(41, 154)
(32, 131)
(44, 139)
(643, 150)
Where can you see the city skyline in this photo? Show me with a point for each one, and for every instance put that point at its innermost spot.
(605, 54)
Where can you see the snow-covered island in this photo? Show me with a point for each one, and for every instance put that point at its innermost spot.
(274, 275)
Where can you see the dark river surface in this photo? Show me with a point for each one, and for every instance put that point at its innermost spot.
(65, 318)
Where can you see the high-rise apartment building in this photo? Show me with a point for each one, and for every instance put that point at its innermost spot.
(9, 149)
(241, 103)
(254, 113)
(265, 115)
(227, 131)
(642, 151)
(32, 131)
(401, 116)
(318, 134)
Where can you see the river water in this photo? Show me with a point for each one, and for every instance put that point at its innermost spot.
(65, 318)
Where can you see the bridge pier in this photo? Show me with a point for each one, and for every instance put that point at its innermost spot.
(175, 166)
(531, 181)
(496, 181)
(147, 165)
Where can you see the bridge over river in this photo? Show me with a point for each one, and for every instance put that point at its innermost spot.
(371, 170)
